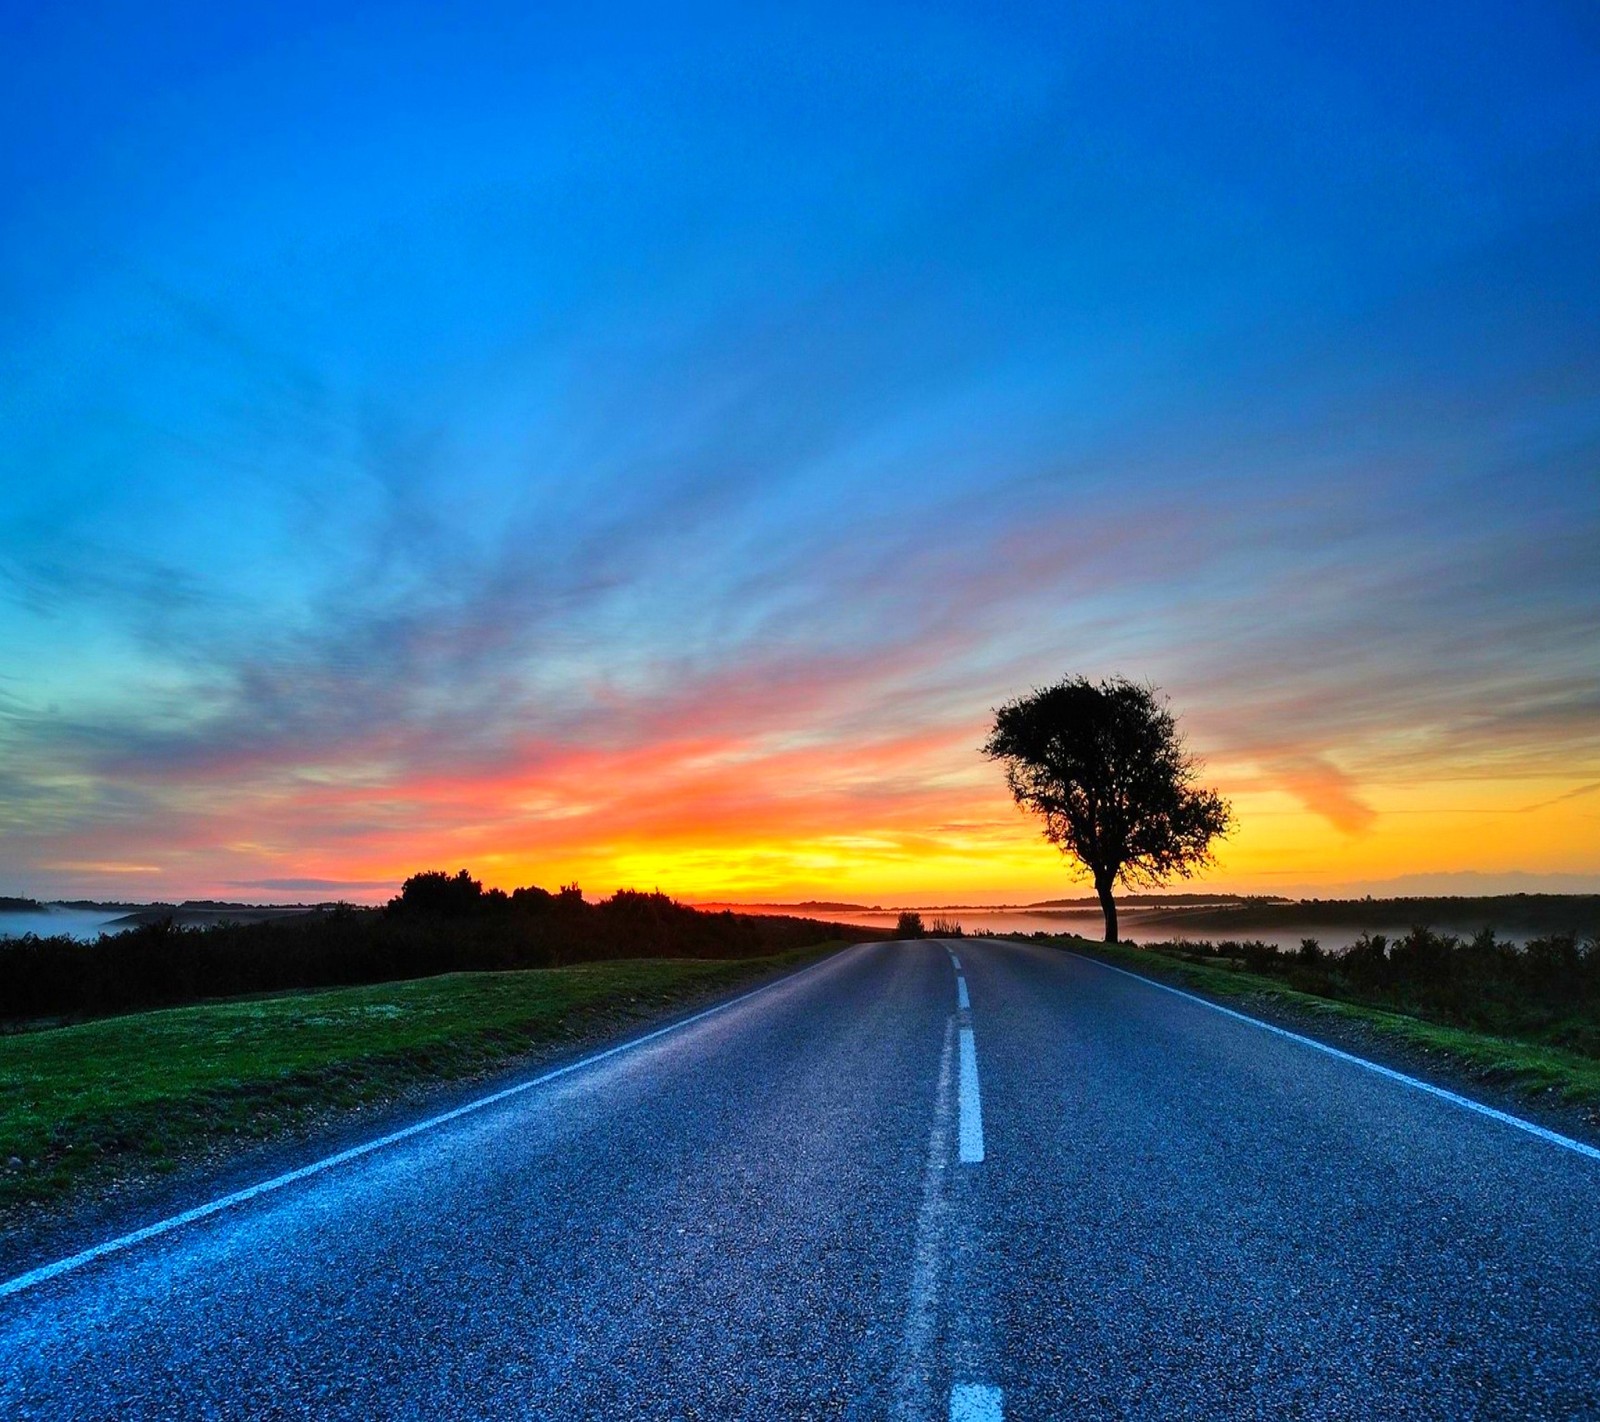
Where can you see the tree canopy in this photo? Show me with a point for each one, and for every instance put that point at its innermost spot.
(1103, 764)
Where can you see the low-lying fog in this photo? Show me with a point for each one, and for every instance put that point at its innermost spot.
(1135, 924)
(1142, 925)
(51, 922)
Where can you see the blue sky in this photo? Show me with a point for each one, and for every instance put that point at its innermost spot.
(645, 444)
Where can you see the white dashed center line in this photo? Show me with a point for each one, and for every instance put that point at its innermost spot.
(976, 1402)
(969, 1401)
(971, 1129)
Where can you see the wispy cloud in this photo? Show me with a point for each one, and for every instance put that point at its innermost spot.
(1578, 794)
(690, 500)
(314, 886)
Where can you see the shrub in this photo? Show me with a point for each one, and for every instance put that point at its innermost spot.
(909, 925)
(1259, 957)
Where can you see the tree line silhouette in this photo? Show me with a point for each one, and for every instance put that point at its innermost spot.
(438, 923)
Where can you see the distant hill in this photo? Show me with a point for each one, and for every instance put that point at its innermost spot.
(806, 906)
(103, 905)
(823, 906)
(1512, 913)
(198, 913)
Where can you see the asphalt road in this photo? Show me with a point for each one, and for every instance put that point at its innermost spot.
(848, 1196)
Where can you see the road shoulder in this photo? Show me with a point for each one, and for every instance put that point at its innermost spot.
(1474, 1065)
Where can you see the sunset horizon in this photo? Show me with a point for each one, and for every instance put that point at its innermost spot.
(413, 497)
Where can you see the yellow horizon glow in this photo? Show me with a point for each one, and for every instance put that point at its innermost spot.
(917, 818)
(995, 854)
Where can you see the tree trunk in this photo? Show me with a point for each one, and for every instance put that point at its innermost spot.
(1109, 906)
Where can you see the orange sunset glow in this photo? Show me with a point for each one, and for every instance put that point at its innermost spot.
(904, 819)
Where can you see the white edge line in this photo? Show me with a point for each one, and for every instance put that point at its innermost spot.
(1454, 1098)
(316, 1167)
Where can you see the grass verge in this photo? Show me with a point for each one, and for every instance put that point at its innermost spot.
(126, 1099)
(1528, 1068)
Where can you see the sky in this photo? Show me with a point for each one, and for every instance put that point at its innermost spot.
(640, 446)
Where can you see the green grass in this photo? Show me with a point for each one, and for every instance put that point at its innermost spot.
(1529, 1067)
(135, 1096)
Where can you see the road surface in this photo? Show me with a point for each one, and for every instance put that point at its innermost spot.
(1027, 1186)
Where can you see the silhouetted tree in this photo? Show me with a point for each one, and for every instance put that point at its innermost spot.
(438, 892)
(1105, 767)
